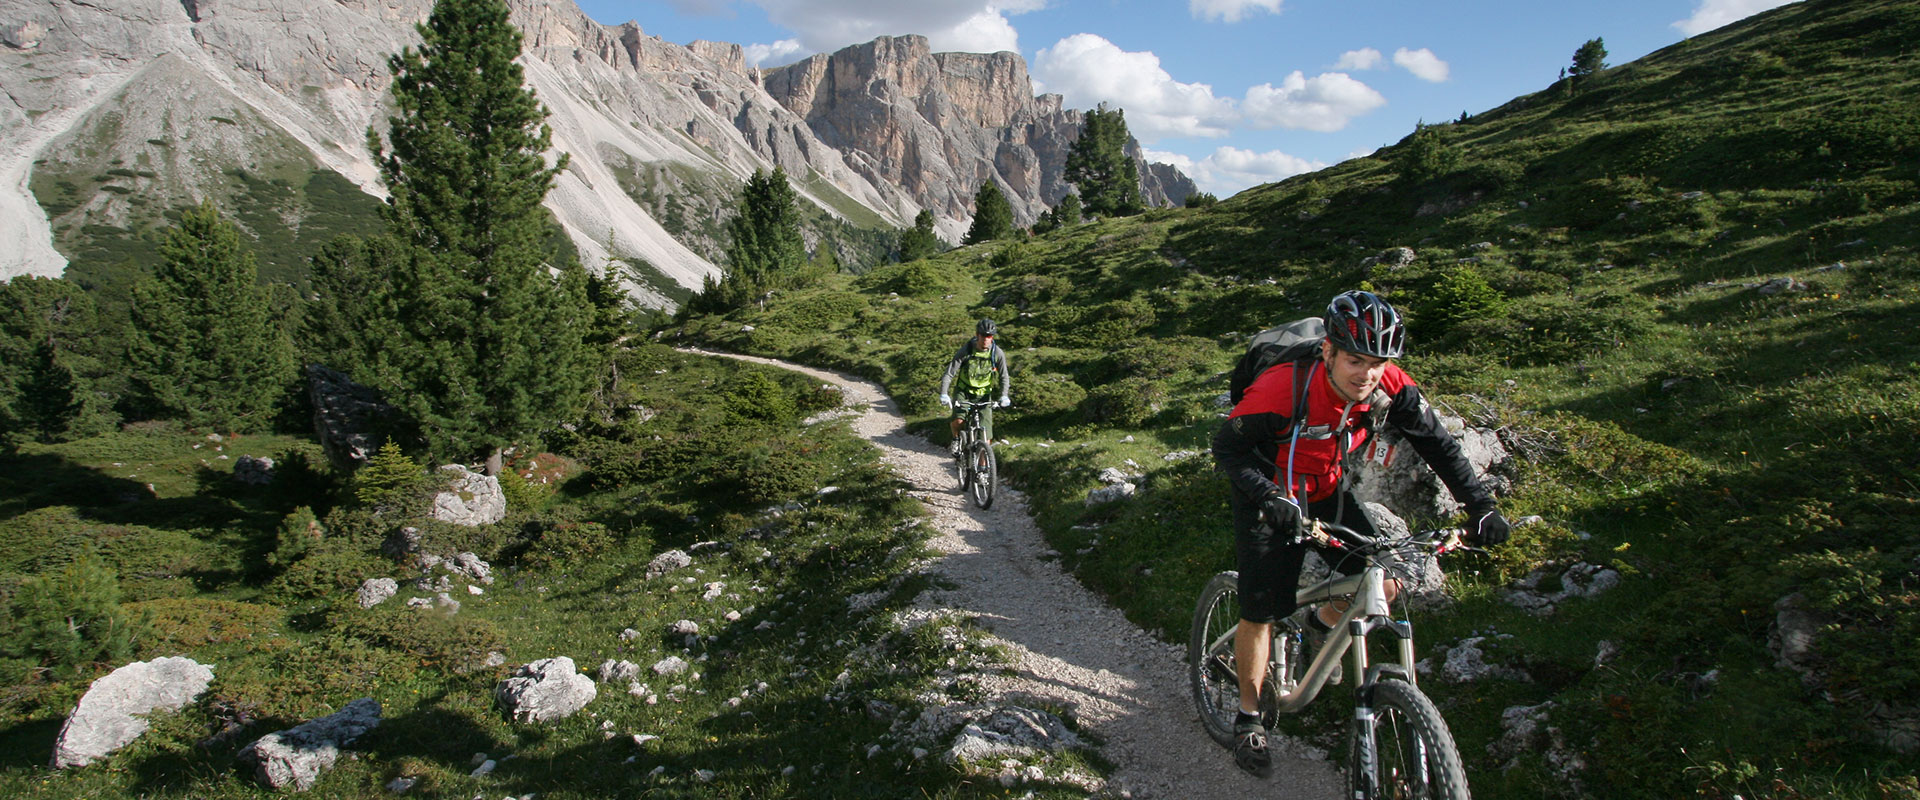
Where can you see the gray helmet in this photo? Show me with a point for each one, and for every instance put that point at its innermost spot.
(1361, 322)
(985, 328)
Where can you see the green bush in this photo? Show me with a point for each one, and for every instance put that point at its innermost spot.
(299, 532)
(185, 623)
(459, 643)
(1045, 393)
(765, 472)
(296, 679)
(1160, 358)
(1462, 294)
(70, 619)
(752, 397)
(329, 571)
(1126, 403)
(566, 543)
(390, 480)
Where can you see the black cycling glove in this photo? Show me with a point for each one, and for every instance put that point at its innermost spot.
(1487, 528)
(1282, 514)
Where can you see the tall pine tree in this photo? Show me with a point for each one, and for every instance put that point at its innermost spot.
(919, 241)
(490, 345)
(202, 343)
(1097, 164)
(765, 251)
(992, 215)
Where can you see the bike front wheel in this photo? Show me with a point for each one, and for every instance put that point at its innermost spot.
(1414, 753)
(986, 474)
(1210, 665)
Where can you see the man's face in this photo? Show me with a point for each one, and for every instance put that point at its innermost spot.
(1354, 376)
(984, 340)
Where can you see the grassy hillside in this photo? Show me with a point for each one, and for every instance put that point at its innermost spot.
(803, 674)
(1588, 276)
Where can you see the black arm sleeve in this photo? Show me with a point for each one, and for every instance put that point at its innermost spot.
(1415, 419)
(1237, 452)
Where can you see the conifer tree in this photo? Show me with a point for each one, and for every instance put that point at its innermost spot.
(992, 215)
(920, 241)
(49, 398)
(765, 250)
(352, 318)
(1589, 60)
(1069, 212)
(490, 345)
(202, 344)
(1097, 164)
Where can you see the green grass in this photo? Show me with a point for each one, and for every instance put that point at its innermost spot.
(803, 662)
(1722, 447)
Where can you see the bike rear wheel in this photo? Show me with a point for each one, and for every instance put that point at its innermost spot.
(986, 474)
(1414, 753)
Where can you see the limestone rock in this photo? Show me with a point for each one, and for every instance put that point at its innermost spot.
(345, 415)
(1396, 477)
(667, 562)
(546, 690)
(253, 470)
(473, 498)
(375, 591)
(296, 757)
(112, 712)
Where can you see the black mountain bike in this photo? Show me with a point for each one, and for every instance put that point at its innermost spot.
(978, 471)
(1401, 747)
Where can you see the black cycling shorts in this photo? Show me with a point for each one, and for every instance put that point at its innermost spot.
(1270, 564)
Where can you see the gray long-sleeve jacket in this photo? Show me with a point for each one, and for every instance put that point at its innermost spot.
(998, 356)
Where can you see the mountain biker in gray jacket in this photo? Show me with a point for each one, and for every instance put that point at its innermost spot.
(1287, 471)
(978, 365)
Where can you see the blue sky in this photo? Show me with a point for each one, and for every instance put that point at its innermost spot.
(1235, 92)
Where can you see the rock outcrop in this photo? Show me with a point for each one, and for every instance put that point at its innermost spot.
(142, 105)
(939, 124)
(546, 690)
(113, 711)
(294, 758)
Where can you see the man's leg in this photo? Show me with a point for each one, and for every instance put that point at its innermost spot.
(1251, 646)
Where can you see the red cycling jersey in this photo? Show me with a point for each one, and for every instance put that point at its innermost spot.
(1315, 456)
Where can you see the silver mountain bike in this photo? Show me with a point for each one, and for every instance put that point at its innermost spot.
(976, 467)
(1400, 747)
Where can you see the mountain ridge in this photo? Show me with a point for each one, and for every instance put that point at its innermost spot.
(620, 100)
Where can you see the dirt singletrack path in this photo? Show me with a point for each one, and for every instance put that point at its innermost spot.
(1068, 646)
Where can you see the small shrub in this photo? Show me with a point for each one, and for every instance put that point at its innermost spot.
(1044, 394)
(390, 480)
(765, 472)
(522, 494)
(1462, 294)
(293, 679)
(1161, 357)
(753, 397)
(1127, 403)
(299, 532)
(189, 622)
(70, 618)
(458, 643)
(566, 543)
(331, 570)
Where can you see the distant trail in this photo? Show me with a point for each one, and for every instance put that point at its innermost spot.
(1067, 646)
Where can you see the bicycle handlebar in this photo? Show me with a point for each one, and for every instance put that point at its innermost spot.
(1442, 540)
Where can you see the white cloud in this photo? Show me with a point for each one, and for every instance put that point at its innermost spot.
(1088, 70)
(823, 26)
(1324, 103)
(1715, 13)
(1422, 63)
(1230, 169)
(785, 51)
(1230, 10)
(1364, 58)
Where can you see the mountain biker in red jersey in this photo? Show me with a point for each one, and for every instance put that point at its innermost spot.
(1286, 471)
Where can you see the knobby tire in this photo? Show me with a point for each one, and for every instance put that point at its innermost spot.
(1415, 757)
(986, 474)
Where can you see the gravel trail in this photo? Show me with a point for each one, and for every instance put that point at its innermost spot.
(1068, 647)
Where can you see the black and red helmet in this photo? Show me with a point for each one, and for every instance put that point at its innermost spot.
(1361, 322)
(985, 328)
